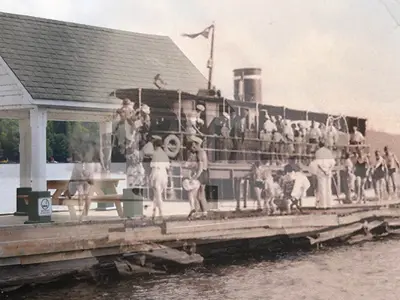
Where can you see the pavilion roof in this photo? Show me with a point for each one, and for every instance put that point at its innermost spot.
(64, 61)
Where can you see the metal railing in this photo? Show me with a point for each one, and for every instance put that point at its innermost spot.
(248, 149)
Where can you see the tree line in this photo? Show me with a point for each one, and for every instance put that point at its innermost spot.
(63, 139)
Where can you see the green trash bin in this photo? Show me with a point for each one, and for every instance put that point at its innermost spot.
(132, 204)
(39, 207)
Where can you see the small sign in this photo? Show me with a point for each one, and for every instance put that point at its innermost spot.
(44, 207)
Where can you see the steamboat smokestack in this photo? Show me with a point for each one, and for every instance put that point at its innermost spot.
(247, 84)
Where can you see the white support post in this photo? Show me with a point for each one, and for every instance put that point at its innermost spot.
(25, 159)
(38, 124)
(24, 153)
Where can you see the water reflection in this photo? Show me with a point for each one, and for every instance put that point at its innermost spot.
(370, 271)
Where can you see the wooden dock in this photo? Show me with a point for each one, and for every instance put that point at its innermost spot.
(32, 253)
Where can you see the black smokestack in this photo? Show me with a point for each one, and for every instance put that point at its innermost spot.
(247, 84)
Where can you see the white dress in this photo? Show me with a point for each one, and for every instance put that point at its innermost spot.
(159, 169)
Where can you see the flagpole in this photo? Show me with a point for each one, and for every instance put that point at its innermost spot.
(211, 62)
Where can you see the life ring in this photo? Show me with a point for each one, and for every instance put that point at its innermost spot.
(172, 145)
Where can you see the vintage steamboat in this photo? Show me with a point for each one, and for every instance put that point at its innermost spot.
(230, 167)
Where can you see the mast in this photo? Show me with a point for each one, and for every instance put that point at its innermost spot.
(211, 60)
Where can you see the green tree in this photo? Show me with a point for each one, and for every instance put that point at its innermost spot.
(9, 139)
(63, 138)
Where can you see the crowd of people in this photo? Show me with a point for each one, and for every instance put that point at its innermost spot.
(277, 138)
(380, 172)
(148, 163)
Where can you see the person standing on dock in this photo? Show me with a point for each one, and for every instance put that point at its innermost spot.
(201, 172)
(378, 175)
(160, 166)
(361, 171)
(324, 166)
(349, 177)
(393, 165)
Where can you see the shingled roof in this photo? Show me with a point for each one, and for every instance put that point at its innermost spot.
(65, 61)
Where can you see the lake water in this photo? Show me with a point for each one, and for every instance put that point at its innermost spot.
(369, 271)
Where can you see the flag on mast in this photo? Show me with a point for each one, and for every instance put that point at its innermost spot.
(205, 33)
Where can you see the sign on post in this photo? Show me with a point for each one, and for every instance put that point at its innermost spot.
(44, 208)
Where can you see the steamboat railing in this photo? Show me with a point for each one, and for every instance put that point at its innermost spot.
(223, 150)
(230, 168)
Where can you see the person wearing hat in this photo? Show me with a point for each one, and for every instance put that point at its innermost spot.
(194, 122)
(123, 123)
(199, 165)
(158, 180)
(145, 115)
(200, 110)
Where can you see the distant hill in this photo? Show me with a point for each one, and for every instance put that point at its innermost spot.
(379, 139)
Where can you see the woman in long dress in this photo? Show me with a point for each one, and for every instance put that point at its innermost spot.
(160, 166)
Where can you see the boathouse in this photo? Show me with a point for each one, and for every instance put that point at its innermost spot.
(52, 70)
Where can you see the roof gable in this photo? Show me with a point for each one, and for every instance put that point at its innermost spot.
(65, 61)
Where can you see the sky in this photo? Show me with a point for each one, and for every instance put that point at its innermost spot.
(334, 56)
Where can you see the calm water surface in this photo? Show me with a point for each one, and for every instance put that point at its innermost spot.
(369, 271)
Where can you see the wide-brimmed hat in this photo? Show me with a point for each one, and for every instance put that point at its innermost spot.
(146, 109)
(195, 139)
(200, 107)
